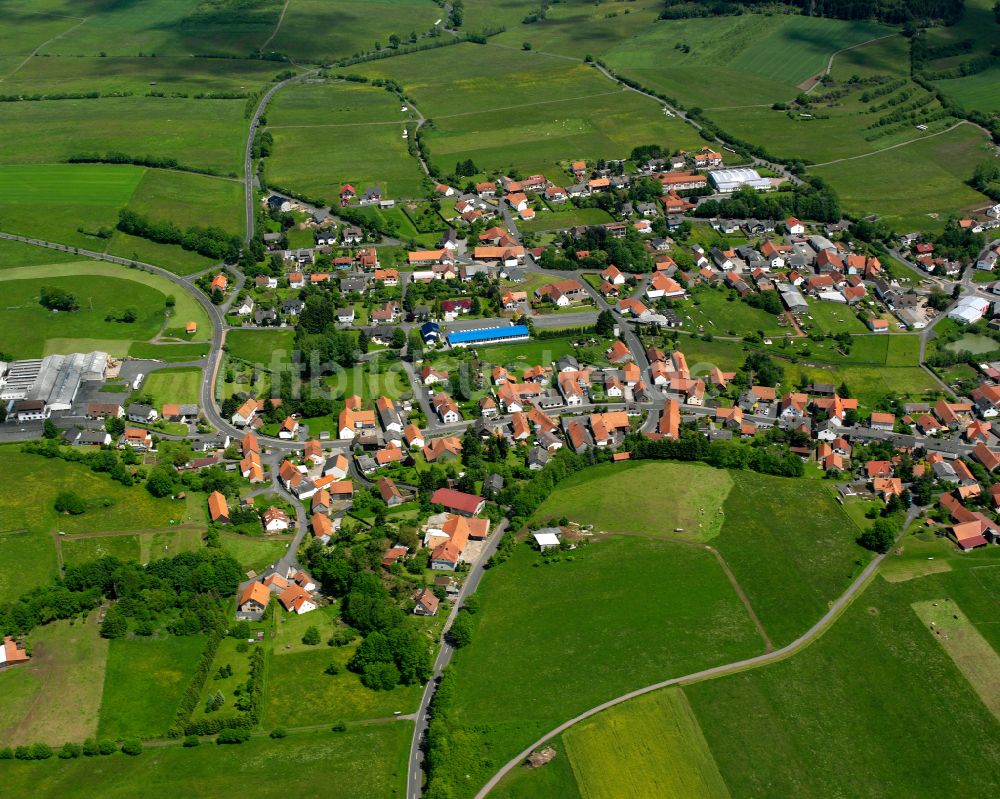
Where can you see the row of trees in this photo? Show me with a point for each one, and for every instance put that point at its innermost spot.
(212, 242)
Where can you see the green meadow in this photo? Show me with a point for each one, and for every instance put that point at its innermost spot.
(182, 385)
(349, 26)
(29, 518)
(206, 134)
(857, 712)
(368, 760)
(791, 547)
(167, 74)
(916, 186)
(259, 346)
(56, 696)
(166, 27)
(100, 289)
(610, 616)
(144, 681)
(97, 296)
(650, 746)
(66, 203)
(328, 134)
(735, 61)
(643, 498)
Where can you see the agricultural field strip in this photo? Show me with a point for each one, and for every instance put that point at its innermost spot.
(965, 645)
(813, 633)
(452, 116)
(895, 146)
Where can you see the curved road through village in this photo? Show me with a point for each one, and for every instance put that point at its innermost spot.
(280, 447)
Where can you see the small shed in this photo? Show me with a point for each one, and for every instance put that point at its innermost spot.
(547, 538)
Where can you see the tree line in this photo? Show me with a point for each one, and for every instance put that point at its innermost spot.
(212, 242)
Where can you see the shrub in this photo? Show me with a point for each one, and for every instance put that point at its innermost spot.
(6, 753)
(70, 502)
(232, 736)
(333, 668)
(70, 751)
(41, 751)
(106, 747)
(132, 746)
(340, 726)
(311, 637)
(192, 740)
(279, 732)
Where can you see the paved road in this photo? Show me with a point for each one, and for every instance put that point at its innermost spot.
(248, 174)
(799, 643)
(414, 777)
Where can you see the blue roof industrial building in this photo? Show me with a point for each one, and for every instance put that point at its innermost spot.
(489, 335)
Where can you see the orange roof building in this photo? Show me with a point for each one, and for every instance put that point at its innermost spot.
(218, 508)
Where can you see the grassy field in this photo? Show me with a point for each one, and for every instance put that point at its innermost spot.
(14, 254)
(181, 385)
(718, 312)
(971, 653)
(77, 551)
(575, 28)
(913, 187)
(166, 28)
(889, 56)
(557, 220)
(974, 91)
(735, 60)
(857, 712)
(207, 134)
(555, 781)
(253, 553)
(29, 557)
(97, 296)
(977, 23)
(260, 346)
(186, 307)
(167, 74)
(475, 102)
(353, 134)
(652, 610)
(651, 498)
(368, 760)
(171, 257)
(600, 122)
(790, 546)
(56, 202)
(55, 697)
(646, 748)
(187, 199)
(168, 352)
(297, 680)
(144, 681)
(348, 26)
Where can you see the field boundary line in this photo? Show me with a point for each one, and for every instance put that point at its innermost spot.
(526, 105)
(893, 146)
(836, 608)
